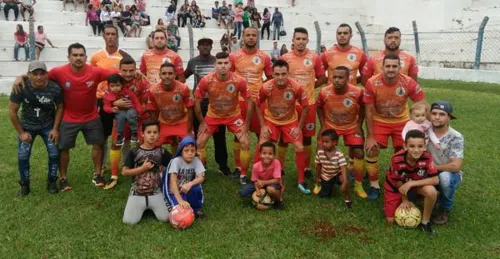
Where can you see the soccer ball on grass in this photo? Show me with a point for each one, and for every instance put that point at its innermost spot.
(408, 218)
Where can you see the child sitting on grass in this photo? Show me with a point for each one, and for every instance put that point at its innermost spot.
(331, 167)
(144, 164)
(186, 173)
(266, 174)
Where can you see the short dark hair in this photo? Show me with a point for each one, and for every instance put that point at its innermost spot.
(115, 78)
(281, 63)
(300, 30)
(221, 55)
(330, 133)
(150, 122)
(268, 144)
(127, 60)
(39, 27)
(391, 56)
(159, 30)
(76, 46)
(345, 25)
(344, 68)
(167, 64)
(414, 134)
(249, 28)
(391, 30)
(109, 26)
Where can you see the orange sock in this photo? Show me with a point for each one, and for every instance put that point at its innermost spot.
(307, 154)
(245, 160)
(281, 154)
(114, 159)
(372, 168)
(236, 153)
(203, 155)
(357, 168)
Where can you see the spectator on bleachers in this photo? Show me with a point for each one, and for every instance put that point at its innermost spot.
(251, 3)
(215, 10)
(116, 17)
(40, 39)
(224, 41)
(275, 52)
(95, 3)
(93, 18)
(170, 13)
(106, 3)
(160, 25)
(27, 6)
(75, 4)
(277, 22)
(223, 15)
(172, 42)
(238, 20)
(137, 22)
(21, 38)
(183, 14)
(117, 3)
(11, 4)
(126, 21)
(323, 48)
(230, 17)
(234, 45)
(141, 6)
(255, 18)
(105, 16)
(199, 20)
(174, 31)
(246, 17)
(266, 23)
(283, 50)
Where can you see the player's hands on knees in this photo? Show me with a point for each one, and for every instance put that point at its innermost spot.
(371, 144)
(405, 188)
(186, 187)
(18, 85)
(25, 137)
(296, 132)
(54, 136)
(184, 204)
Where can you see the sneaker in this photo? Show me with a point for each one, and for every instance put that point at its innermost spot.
(111, 184)
(119, 141)
(441, 218)
(279, 205)
(303, 188)
(199, 214)
(317, 189)
(133, 139)
(308, 173)
(64, 185)
(243, 180)
(373, 193)
(236, 173)
(225, 171)
(428, 229)
(52, 187)
(25, 189)
(359, 191)
(348, 204)
(98, 180)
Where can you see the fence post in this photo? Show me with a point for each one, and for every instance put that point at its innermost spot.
(191, 40)
(417, 41)
(479, 47)
(32, 38)
(363, 38)
(318, 37)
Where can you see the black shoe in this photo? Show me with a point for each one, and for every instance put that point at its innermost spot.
(441, 217)
(52, 186)
(133, 138)
(225, 171)
(64, 185)
(236, 173)
(98, 180)
(243, 180)
(279, 205)
(308, 173)
(428, 229)
(25, 189)
(348, 204)
(199, 214)
(119, 141)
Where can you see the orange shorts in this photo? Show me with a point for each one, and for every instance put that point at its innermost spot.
(351, 137)
(233, 124)
(309, 129)
(172, 134)
(254, 122)
(382, 131)
(283, 130)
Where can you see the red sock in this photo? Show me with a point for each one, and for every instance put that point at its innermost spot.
(256, 156)
(300, 160)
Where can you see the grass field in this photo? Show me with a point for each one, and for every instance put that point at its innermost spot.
(86, 222)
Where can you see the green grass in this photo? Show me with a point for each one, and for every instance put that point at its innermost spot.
(86, 222)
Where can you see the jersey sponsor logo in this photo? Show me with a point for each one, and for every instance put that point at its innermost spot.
(307, 62)
(310, 126)
(256, 60)
(400, 91)
(352, 57)
(288, 95)
(238, 122)
(89, 83)
(347, 102)
(176, 97)
(231, 88)
(67, 84)
(43, 99)
(421, 172)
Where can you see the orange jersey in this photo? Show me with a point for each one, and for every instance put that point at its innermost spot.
(341, 111)
(251, 66)
(390, 100)
(373, 66)
(305, 69)
(105, 60)
(353, 58)
(172, 105)
(222, 95)
(281, 102)
(152, 61)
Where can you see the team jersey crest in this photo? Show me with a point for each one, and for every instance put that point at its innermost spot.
(238, 122)
(352, 57)
(288, 95)
(256, 60)
(309, 126)
(176, 97)
(231, 88)
(400, 91)
(307, 62)
(347, 102)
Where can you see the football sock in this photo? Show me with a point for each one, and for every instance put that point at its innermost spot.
(114, 158)
(256, 156)
(375, 184)
(125, 151)
(281, 154)
(105, 149)
(245, 160)
(203, 155)
(300, 158)
(236, 153)
(372, 168)
(307, 156)
(357, 168)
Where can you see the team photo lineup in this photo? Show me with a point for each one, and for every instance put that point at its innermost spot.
(143, 121)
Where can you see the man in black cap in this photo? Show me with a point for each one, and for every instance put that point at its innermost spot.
(41, 114)
(201, 66)
(448, 158)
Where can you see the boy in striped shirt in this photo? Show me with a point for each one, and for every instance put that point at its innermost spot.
(331, 168)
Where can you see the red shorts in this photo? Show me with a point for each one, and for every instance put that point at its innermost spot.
(351, 137)
(309, 129)
(254, 122)
(172, 134)
(284, 130)
(382, 131)
(392, 200)
(233, 124)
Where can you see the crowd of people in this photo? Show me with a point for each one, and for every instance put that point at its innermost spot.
(21, 39)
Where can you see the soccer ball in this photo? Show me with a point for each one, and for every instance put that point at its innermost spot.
(181, 218)
(262, 202)
(408, 218)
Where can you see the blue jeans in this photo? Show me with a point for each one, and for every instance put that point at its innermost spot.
(24, 154)
(277, 29)
(26, 51)
(194, 197)
(237, 29)
(448, 184)
(123, 116)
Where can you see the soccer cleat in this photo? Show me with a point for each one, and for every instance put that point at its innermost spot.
(199, 214)
(308, 173)
(359, 191)
(317, 189)
(133, 138)
(428, 229)
(52, 187)
(236, 173)
(119, 141)
(25, 189)
(373, 193)
(303, 188)
(64, 185)
(243, 180)
(279, 205)
(111, 183)
(348, 204)
(225, 171)
(98, 180)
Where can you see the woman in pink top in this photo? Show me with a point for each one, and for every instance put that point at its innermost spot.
(93, 19)
(238, 20)
(21, 38)
(40, 38)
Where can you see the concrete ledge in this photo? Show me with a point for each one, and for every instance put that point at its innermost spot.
(467, 75)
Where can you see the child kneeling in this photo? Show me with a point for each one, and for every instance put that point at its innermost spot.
(144, 164)
(266, 174)
(186, 173)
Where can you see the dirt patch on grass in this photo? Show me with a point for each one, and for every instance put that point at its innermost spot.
(321, 229)
(354, 229)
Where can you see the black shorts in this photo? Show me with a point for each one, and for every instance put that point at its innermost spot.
(327, 186)
(106, 119)
(68, 132)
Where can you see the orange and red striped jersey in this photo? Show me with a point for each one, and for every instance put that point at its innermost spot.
(408, 64)
(152, 61)
(172, 105)
(341, 111)
(353, 58)
(251, 66)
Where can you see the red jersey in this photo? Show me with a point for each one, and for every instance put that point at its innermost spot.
(105, 60)
(390, 100)
(401, 171)
(281, 102)
(373, 66)
(305, 69)
(79, 91)
(251, 66)
(110, 98)
(353, 58)
(222, 95)
(151, 62)
(172, 105)
(341, 111)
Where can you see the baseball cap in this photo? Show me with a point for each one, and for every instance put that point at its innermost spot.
(205, 40)
(34, 65)
(444, 106)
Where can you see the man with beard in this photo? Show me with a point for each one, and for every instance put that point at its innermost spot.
(392, 41)
(385, 99)
(250, 63)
